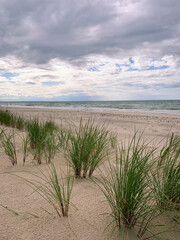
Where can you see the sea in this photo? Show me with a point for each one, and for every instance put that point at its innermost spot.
(153, 106)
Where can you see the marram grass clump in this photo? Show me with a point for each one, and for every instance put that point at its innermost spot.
(20, 122)
(42, 139)
(25, 147)
(125, 185)
(166, 178)
(11, 120)
(87, 146)
(36, 133)
(52, 188)
(9, 146)
(7, 118)
(51, 146)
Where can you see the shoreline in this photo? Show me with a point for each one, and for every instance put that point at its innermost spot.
(149, 106)
(94, 110)
(90, 110)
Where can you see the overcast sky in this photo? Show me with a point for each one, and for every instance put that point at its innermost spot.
(89, 49)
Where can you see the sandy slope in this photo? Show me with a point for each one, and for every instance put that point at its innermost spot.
(86, 221)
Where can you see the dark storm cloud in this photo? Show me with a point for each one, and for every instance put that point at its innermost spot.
(38, 31)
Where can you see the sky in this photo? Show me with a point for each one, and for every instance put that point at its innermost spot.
(89, 50)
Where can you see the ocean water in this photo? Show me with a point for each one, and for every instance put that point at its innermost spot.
(155, 106)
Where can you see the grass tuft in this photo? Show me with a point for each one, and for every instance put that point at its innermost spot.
(41, 139)
(87, 146)
(166, 178)
(25, 145)
(125, 184)
(20, 123)
(56, 191)
(8, 143)
(51, 146)
(10, 120)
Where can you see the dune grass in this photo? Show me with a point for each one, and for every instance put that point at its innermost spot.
(63, 137)
(51, 146)
(1, 133)
(125, 184)
(9, 145)
(7, 118)
(50, 127)
(87, 146)
(56, 191)
(25, 146)
(35, 132)
(166, 178)
(113, 140)
(40, 136)
(41, 139)
(172, 146)
(20, 123)
(1, 136)
(11, 120)
(51, 141)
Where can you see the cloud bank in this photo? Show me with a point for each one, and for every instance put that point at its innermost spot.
(89, 50)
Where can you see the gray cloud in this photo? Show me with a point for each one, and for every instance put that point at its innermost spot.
(154, 85)
(38, 31)
(30, 83)
(52, 83)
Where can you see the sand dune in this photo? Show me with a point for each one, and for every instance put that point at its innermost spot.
(86, 220)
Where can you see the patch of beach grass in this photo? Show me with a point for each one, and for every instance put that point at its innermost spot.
(63, 137)
(50, 127)
(166, 178)
(125, 185)
(20, 122)
(25, 146)
(172, 146)
(87, 146)
(42, 139)
(1, 133)
(52, 188)
(37, 136)
(35, 132)
(11, 120)
(51, 146)
(7, 118)
(9, 146)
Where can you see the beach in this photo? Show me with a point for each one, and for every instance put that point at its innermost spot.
(124, 124)
(86, 221)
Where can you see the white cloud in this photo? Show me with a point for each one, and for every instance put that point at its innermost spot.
(111, 81)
